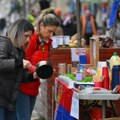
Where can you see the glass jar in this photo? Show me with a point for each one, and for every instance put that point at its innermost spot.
(61, 68)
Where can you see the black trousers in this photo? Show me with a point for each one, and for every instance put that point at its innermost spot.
(87, 38)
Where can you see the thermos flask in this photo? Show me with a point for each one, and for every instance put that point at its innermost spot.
(115, 76)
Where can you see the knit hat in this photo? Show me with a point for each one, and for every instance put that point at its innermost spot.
(58, 11)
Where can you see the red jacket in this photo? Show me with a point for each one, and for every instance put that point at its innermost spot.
(34, 54)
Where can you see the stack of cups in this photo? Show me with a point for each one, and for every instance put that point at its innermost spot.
(100, 65)
(105, 74)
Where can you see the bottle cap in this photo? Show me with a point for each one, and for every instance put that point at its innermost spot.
(115, 54)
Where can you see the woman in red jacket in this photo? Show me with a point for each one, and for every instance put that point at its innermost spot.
(38, 50)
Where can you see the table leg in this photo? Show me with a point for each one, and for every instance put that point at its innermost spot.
(113, 109)
(104, 104)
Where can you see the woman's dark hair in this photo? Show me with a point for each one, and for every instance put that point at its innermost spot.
(16, 31)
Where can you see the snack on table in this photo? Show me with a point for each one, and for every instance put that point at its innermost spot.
(72, 44)
(73, 41)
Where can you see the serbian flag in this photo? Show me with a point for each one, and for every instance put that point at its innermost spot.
(63, 109)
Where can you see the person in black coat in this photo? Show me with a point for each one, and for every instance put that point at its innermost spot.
(13, 66)
(44, 4)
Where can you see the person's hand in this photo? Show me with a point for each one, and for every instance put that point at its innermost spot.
(26, 64)
(35, 75)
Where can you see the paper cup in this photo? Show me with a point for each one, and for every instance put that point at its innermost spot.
(54, 42)
(66, 40)
(105, 71)
(101, 64)
(98, 84)
(60, 40)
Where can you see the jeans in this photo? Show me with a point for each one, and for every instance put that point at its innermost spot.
(7, 115)
(24, 106)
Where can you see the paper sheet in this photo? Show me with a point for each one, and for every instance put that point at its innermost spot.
(75, 107)
(75, 52)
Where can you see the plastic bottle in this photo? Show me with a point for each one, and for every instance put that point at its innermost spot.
(114, 60)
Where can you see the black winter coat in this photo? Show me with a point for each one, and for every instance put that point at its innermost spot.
(11, 73)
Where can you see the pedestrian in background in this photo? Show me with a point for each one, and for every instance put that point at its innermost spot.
(114, 23)
(32, 16)
(13, 67)
(37, 50)
(44, 4)
(88, 26)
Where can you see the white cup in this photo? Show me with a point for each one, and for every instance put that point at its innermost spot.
(101, 64)
(54, 42)
(66, 40)
(60, 40)
(89, 90)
